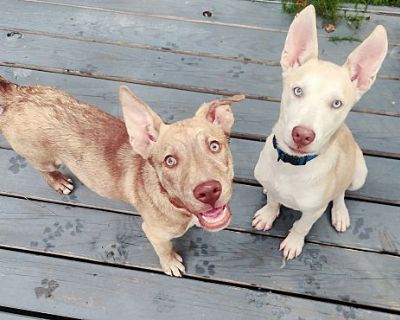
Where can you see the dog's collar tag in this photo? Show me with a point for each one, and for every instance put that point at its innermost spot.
(296, 161)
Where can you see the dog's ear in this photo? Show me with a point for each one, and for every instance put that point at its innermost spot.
(301, 42)
(366, 60)
(219, 112)
(142, 123)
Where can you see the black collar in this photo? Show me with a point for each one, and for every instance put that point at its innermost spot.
(294, 160)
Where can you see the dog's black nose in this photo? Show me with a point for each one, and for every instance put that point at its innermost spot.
(302, 136)
(208, 192)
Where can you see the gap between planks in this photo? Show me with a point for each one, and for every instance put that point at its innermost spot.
(33, 315)
(186, 19)
(160, 84)
(37, 200)
(229, 282)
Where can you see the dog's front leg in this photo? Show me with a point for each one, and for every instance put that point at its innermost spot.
(340, 214)
(171, 262)
(265, 217)
(294, 242)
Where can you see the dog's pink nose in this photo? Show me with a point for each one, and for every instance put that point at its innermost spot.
(208, 192)
(302, 136)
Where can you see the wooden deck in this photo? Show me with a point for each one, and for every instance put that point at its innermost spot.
(85, 257)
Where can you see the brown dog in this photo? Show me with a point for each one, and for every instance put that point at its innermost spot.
(175, 175)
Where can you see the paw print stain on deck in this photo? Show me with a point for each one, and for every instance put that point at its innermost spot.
(58, 230)
(164, 302)
(118, 251)
(311, 285)
(256, 298)
(199, 248)
(17, 164)
(276, 308)
(313, 259)
(347, 312)
(47, 289)
(191, 61)
(363, 233)
(236, 71)
(171, 45)
(205, 268)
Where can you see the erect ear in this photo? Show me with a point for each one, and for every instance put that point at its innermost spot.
(219, 112)
(366, 60)
(301, 42)
(142, 123)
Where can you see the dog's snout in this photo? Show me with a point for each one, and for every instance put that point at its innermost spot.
(208, 192)
(302, 136)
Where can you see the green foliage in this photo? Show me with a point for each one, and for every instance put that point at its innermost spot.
(329, 11)
(337, 39)
(392, 3)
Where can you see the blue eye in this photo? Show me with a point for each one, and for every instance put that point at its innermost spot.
(215, 146)
(298, 92)
(336, 104)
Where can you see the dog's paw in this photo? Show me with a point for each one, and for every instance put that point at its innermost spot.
(172, 265)
(264, 218)
(340, 218)
(59, 182)
(292, 246)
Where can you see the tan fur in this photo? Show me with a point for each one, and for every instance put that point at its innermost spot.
(339, 165)
(49, 128)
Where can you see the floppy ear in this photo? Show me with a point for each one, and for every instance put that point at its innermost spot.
(142, 123)
(219, 112)
(366, 60)
(301, 42)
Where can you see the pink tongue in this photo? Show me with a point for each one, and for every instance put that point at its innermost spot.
(213, 213)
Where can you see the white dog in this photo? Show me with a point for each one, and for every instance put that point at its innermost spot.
(311, 157)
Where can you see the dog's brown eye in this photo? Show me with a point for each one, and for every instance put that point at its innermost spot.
(336, 104)
(298, 92)
(215, 146)
(170, 161)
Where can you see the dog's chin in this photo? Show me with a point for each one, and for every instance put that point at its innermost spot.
(215, 219)
(299, 151)
(295, 150)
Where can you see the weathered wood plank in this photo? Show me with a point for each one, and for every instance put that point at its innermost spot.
(382, 180)
(242, 14)
(179, 35)
(327, 272)
(160, 68)
(374, 226)
(373, 132)
(82, 290)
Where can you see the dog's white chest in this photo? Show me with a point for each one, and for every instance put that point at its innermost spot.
(295, 187)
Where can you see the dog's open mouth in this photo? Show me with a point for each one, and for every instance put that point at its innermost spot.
(215, 219)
